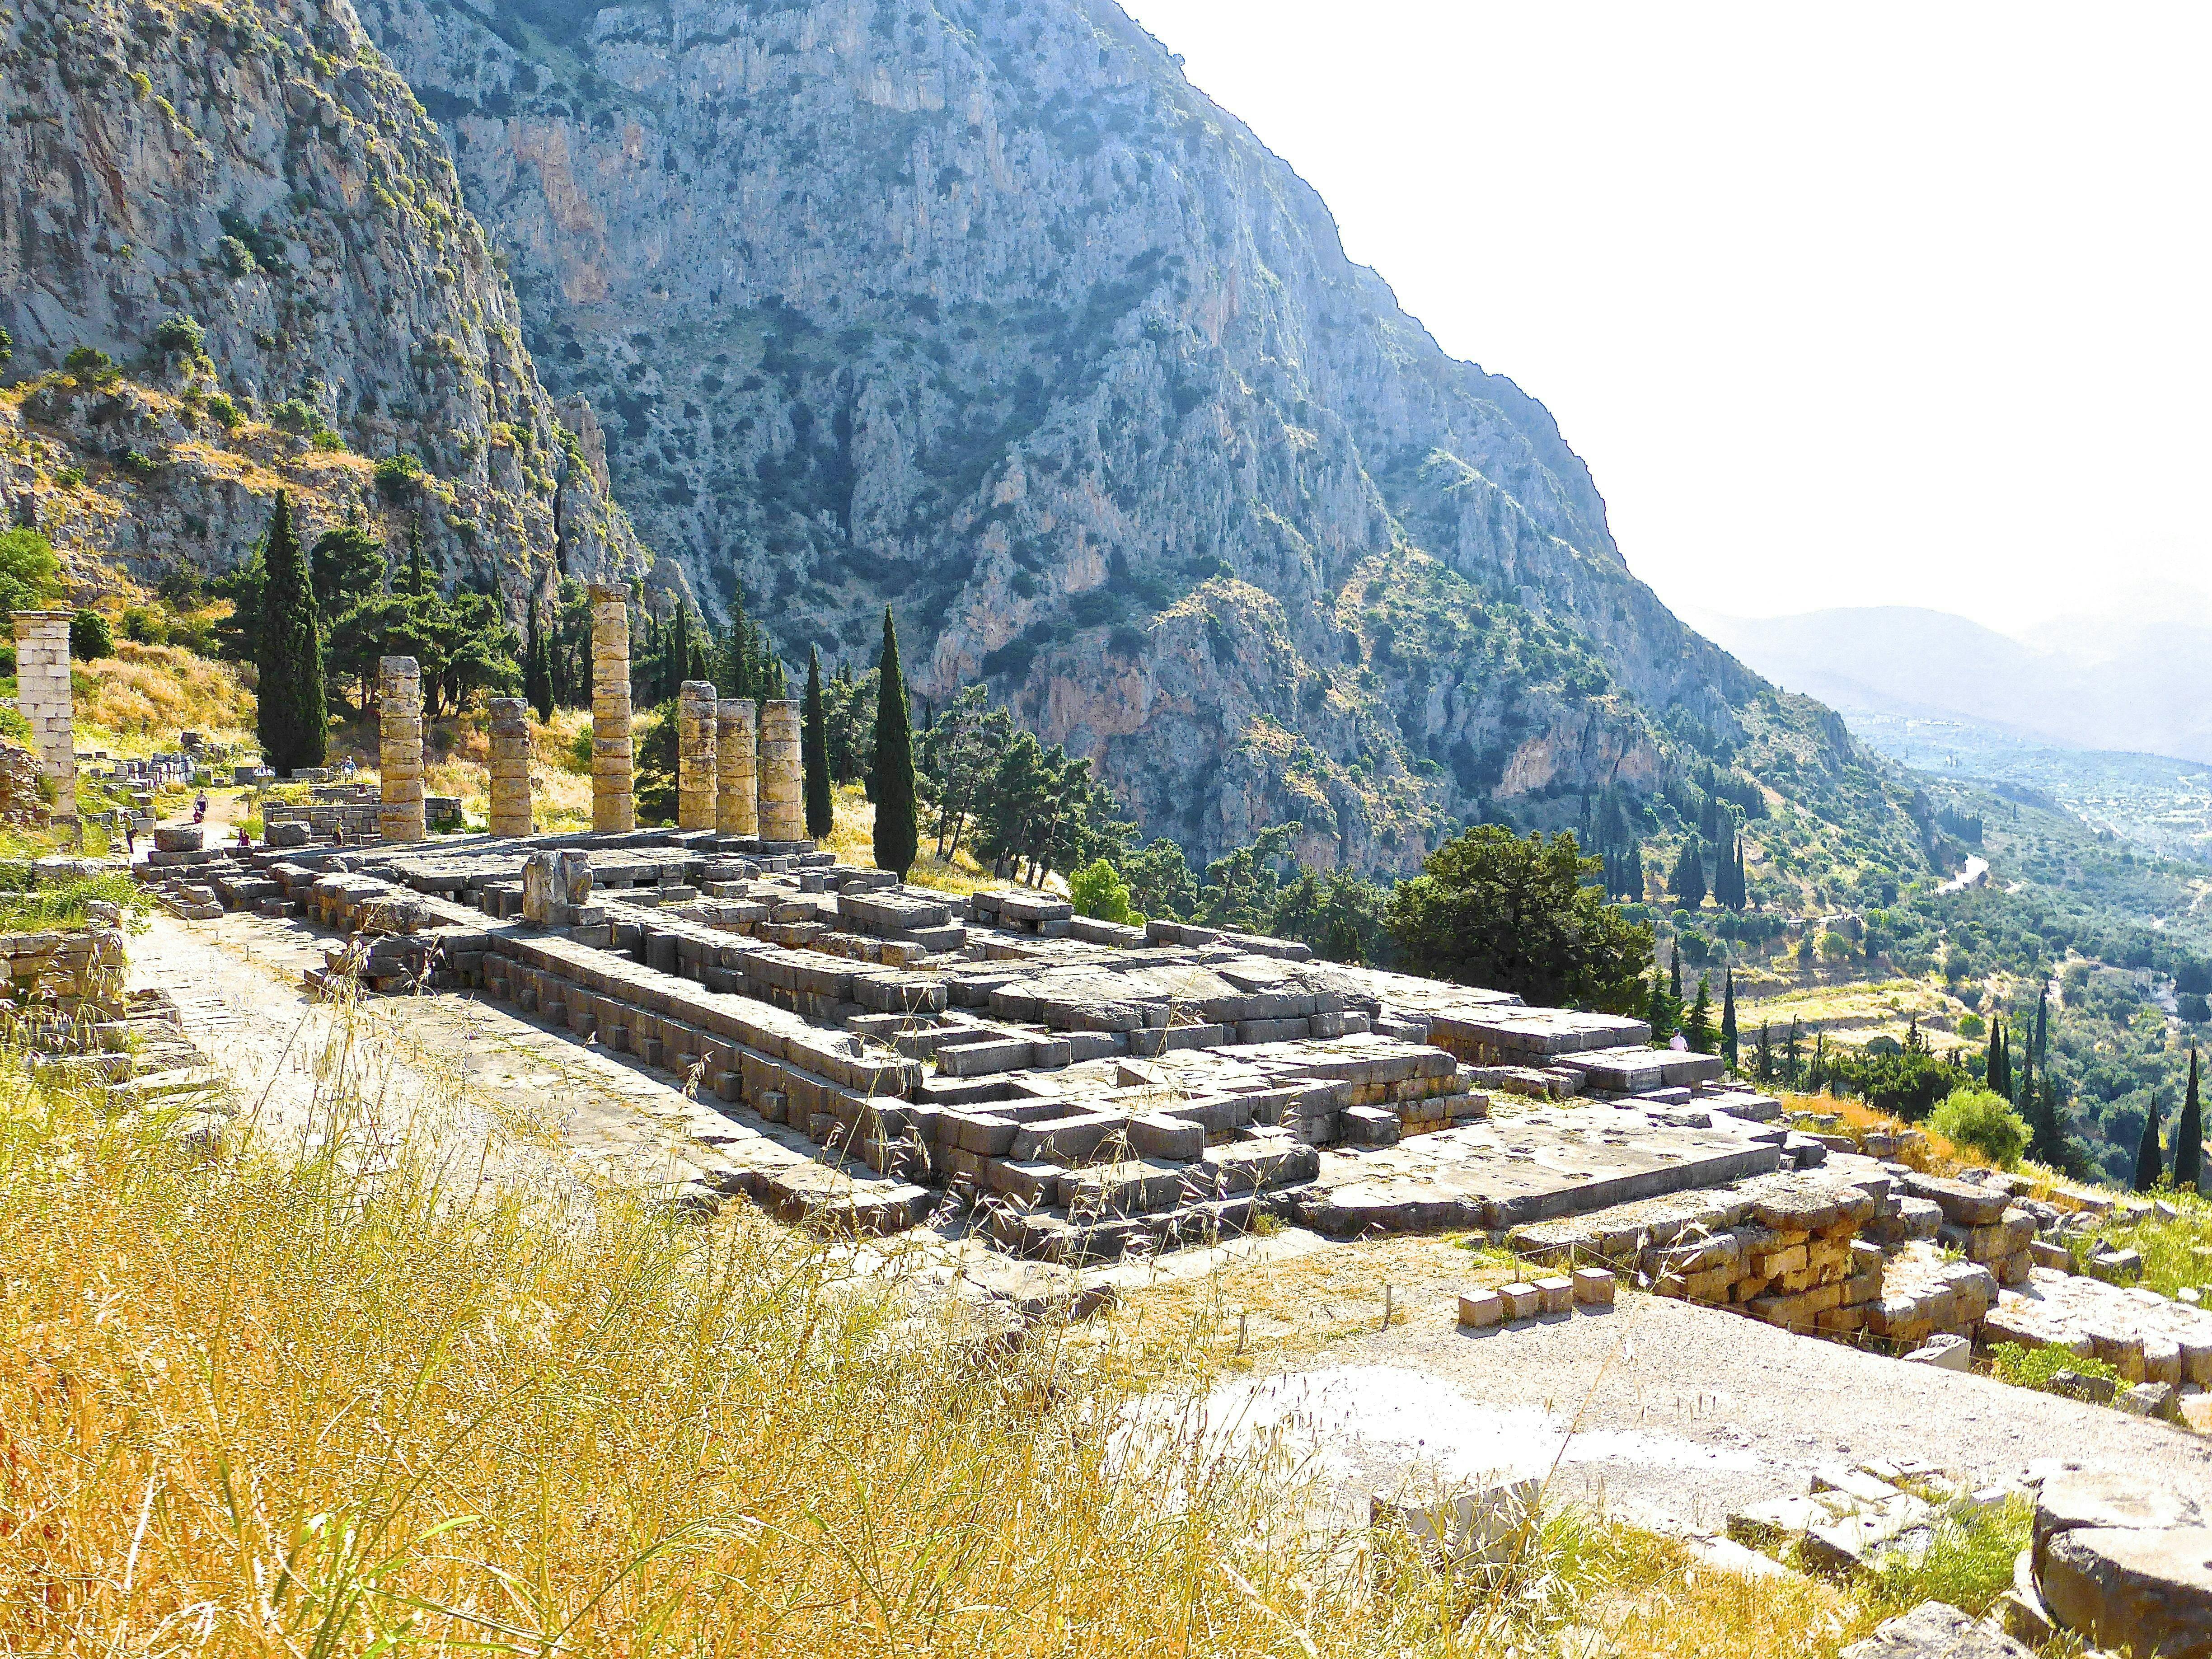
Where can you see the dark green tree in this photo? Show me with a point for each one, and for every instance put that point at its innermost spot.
(537, 669)
(1698, 1024)
(1492, 909)
(814, 756)
(292, 719)
(1994, 1067)
(2150, 1167)
(1658, 1008)
(1792, 1058)
(1689, 882)
(898, 837)
(2189, 1135)
(1763, 1069)
(1728, 1045)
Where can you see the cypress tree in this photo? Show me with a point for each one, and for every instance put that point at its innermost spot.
(2148, 1165)
(2046, 1142)
(537, 670)
(1690, 874)
(1728, 1018)
(2189, 1135)
(290, 719)
(1698, 1024)
(1655, 1014)
(814, 754)
(1674, 980)
(897, 837)
(1791, 1057)
(1765, 1068)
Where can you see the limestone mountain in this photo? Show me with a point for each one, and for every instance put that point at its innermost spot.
(245, 212)
(979, 307)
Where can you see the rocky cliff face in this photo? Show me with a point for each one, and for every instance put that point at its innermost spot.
(982, 309)
(258, 169)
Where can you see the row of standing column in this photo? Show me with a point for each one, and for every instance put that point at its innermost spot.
(728, 780)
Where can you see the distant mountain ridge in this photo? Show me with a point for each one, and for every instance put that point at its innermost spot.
(2124, 685)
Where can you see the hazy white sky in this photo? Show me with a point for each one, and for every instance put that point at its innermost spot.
(1843, 305)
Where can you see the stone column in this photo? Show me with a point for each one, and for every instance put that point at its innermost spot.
(694, 756)
(399, 749)
(782, 805)
(736, 803)
(614, 810)
(510, 767)
(42, 697)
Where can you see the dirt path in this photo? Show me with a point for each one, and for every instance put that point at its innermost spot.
(1678, 1414)
(479, 1081)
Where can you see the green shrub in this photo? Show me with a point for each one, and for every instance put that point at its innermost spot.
(225, 411)
(296, 415)
(1098, 891)
(145, 626)
(13, 725)
(2033, 1368)
(397, 475)
(237, 259)
(578, 757)
(328, 440)
(137, 464)
(70, 477)
(1984, 1121)
(29, 573)
(179, 333)
(90, 637)
(90, 363)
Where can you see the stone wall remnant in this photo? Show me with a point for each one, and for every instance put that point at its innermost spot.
(510, 767)
(695, 780)
(399, 749)
(42, 696)
(614, 807)
(737, 801)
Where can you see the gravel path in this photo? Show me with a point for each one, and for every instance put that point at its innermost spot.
(1679, 1414)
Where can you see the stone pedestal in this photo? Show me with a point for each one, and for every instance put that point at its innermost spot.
(399, 749)
(510, 767)
(614, 809)
(736, 800)
(42, 697)
(782, 793)
(695, 781)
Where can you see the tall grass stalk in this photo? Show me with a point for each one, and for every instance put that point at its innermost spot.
(325, 1404)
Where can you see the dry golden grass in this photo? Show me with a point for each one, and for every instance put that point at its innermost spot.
(141, 698)
(852, 840)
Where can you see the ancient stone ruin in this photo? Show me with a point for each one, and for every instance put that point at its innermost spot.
(399, 749)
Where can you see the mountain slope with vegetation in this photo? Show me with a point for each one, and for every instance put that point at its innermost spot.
(238, 260)
(983, 310)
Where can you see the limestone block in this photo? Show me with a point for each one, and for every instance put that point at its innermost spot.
(537, 888)
(696, 780)
(572, 877)
(1479, 1309)
(2149, 1590)
(1935, 1630)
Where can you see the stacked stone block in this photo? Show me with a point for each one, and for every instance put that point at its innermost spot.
(399, 749)
(782, 805)
(42, 697)
(1783, 1248)
(510, 767)
(614, 807)
(696, 756)
(737, 804)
